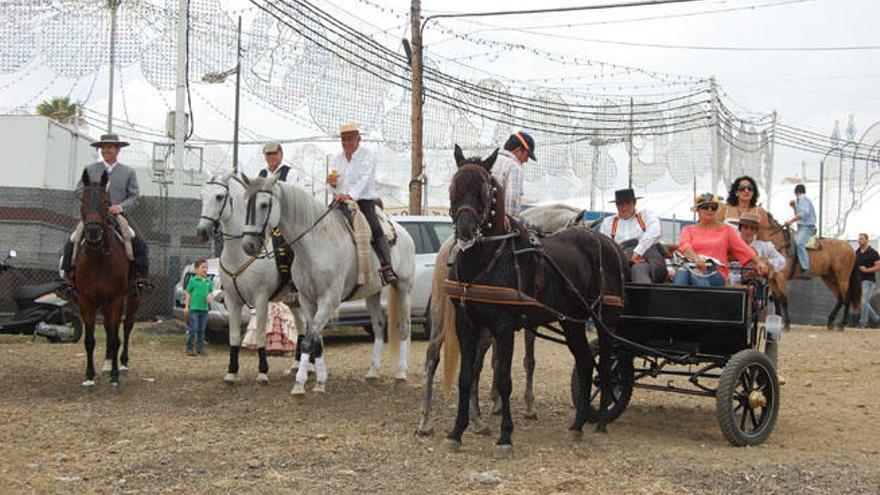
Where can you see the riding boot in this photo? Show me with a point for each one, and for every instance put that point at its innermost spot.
(68, 284)
(383, 251)
(141, 265)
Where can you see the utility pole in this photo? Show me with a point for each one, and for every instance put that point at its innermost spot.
(113, 4)
(180, 106)
(716, 160)
(415, 183)
(630, 141)
(237, 98)
(768, 180)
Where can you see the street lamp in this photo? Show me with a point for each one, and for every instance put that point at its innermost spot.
(220, 77)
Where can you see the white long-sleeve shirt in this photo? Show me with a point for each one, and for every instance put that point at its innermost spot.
(357, 177)
(508, 172)
(631, 229)
(767, 251)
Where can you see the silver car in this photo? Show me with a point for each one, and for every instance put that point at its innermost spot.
(428, 233)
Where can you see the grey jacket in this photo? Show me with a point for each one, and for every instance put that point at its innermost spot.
(123, 188)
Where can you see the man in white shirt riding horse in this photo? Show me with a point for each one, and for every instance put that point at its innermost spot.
(508, 170)
(353, 175)
(638, 233)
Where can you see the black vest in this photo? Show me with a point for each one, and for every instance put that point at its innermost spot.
(281, 173)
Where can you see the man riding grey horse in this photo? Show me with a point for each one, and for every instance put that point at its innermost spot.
(123, 191)
(353, 176)
(638, 233)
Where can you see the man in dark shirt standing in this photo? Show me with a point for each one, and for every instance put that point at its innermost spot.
(867, 263)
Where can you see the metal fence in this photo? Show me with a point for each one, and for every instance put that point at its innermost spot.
(35, 223)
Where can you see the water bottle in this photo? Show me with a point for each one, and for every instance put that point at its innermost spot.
(773, 324)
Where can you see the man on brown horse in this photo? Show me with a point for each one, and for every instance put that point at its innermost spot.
(123, 191)
(805, 216)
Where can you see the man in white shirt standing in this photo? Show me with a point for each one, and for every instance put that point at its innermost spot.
(507, 170)
(353, 175)
(638, 233)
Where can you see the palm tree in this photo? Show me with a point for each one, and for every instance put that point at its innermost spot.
(58, 108)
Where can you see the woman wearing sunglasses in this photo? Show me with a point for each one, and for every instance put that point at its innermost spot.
(710, 238)
(743, 198)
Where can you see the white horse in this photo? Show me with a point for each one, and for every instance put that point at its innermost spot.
(245, 279)
(325, 269)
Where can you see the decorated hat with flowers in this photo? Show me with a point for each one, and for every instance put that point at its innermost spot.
(705, 198)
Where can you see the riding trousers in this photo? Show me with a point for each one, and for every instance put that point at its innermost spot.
(804, 233)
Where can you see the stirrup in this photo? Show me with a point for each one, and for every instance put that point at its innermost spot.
(388, 275)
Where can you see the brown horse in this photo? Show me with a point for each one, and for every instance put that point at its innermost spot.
(833, 262)
(103, 279)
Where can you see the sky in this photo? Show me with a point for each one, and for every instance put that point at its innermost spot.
(807, 88)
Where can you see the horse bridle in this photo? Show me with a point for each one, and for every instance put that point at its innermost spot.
(488, 193)
(102, 226)
(251, 213)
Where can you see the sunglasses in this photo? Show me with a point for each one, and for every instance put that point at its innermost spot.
(745, 188)
(708, 206)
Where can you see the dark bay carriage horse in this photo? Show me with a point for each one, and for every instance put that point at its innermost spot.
(104, 279)
(543, 220)
(833, 262)
(503, 278)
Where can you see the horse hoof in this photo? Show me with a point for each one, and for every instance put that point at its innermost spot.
(424, 431)
(263, 379)
(481, 429)
(531, 415)
(400, 376)
(503, 451)
(230, 378)
(107, 367)
(123, 370)
(320, 388)
(88, 385)
(299, 389)
(114, 387)
(602, 429)
(496, 407)
(372, 377)
(451, 446)
(575, 435)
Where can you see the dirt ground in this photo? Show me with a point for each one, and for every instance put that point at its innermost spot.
(174, 427)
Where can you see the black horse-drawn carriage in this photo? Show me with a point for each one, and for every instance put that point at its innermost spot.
(709, 336)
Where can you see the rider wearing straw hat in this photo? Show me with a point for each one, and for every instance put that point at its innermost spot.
(123, 192)
(353, 175)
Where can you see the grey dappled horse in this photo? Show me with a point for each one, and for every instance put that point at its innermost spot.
(325, 269)
(245, 280)
(545, 219)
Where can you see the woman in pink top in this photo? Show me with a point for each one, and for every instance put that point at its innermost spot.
(711, 238)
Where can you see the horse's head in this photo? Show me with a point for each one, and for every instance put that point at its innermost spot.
(263, 212)
(94, 209)
(476, 201)
(780, 236)
(216, 205)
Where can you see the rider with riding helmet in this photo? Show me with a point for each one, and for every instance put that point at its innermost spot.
(123, 192)
(638, 233)
(711, 238)
(353, 176)
(508, 172)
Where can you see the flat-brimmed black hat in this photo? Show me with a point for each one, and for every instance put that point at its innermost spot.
(110, 139)
(625, 196)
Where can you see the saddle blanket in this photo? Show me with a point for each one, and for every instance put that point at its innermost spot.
(362, 237)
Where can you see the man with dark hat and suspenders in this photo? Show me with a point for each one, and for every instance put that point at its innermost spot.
(638, 233)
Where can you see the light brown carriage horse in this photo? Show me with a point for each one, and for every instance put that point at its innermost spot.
(834, 262)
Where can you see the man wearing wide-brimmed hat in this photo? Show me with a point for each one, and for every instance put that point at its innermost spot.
(638, 233)
(353, 175)
(123, 191)
(507, 170)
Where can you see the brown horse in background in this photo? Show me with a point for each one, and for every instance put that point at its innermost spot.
(834, 262)
(103, 279)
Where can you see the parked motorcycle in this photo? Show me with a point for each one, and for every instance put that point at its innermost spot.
(40, 312)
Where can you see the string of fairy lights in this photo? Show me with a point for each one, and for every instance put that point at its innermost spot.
(314, 65)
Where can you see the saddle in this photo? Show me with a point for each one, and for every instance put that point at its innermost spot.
(120, 228)
(362, 236)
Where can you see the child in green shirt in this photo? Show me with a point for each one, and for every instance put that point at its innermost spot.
(198, 296)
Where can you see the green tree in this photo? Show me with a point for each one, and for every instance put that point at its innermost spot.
(58, 108)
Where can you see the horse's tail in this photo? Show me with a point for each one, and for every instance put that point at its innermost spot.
(394, 318)
(854, 292)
